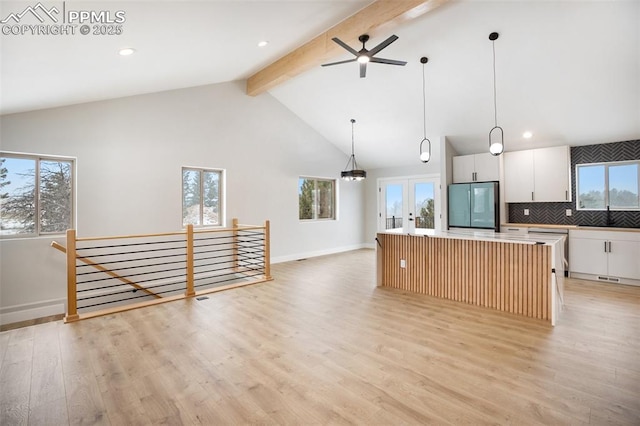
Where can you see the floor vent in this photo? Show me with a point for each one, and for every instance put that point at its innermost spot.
(202, 298)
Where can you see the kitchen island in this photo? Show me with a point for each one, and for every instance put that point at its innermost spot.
(520, 274)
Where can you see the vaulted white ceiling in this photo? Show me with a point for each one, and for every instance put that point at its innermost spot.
(567, 71)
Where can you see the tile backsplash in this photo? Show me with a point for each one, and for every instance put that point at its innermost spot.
(555, 213)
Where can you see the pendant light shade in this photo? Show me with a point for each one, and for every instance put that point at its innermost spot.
(496, 134)
(352, 173)
(425, 144)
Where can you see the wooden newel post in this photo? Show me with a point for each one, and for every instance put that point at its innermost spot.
(234, 251)
(267, 251)
(72, 302)
(190, 288)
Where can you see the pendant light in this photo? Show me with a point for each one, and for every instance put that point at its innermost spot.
(354, 173)
(496, 134)
(425, 156)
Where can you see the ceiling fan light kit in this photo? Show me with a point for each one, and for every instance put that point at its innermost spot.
(496, 134)
(353, 173)
(425, 155)
(364, 56)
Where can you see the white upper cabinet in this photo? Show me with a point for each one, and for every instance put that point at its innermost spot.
(551, 174)
(518, 176)
(541, 175)
(476, 168)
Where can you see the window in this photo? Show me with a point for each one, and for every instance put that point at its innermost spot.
(36, 195)
(316, 198)
(608, 184)
(202, 197)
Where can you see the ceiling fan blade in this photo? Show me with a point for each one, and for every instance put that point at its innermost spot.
(382, 45)
(387, 61)
(339, 62)
(363, 70)
(345, 46)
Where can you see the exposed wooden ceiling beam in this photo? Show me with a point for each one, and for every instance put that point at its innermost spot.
(379, 14)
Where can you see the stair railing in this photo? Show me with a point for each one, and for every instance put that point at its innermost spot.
(118, 273)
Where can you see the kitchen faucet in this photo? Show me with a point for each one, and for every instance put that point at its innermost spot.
(609, 220)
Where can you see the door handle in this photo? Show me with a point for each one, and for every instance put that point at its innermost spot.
(609, 246)
(566, 195)
(531, 195)
(605, 246)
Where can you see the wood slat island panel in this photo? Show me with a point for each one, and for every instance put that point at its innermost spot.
(507, 276)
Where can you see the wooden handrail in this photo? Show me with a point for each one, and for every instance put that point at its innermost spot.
(167, 234)
(106, 271)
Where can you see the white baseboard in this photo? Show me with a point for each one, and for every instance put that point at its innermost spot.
(298, 256)
(29, 311)
(604, 279)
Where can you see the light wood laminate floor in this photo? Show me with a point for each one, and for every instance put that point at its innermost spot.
(322, 345)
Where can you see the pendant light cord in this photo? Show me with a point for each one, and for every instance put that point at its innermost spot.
(424, 104)
(352, 159)
(495, 102)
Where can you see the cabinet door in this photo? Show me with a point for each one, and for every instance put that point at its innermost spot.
(463, 168)
(487, 167)
(587, 256)
(551, 174)
(518, 176)
(623, 259)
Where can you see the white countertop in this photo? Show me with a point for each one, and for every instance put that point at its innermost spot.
(580, 227)
(487, 236)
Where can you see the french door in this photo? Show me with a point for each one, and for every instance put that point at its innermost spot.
(409, 205)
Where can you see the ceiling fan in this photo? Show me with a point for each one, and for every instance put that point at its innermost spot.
(364, 56)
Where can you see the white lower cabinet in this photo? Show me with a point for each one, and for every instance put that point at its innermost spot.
(610, 256)
(624, 259)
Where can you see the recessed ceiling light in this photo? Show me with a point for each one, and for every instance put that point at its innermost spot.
(263, 43)
(126, 51)
(527, 135)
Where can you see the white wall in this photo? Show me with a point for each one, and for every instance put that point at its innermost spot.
(129, 156)
(446, 171)
(417, 169)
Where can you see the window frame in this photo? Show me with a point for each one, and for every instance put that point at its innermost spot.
(221, 195)
(606, 165)
(316, 208)
(38, 158)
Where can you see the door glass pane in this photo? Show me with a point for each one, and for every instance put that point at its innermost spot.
(211, 202)
(591, 188)
(55, 196)
(623, 186)
(424, 205)
(17, 196)
(393, 206)
(190, 197)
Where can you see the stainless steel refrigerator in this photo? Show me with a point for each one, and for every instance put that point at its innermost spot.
(474, 205)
